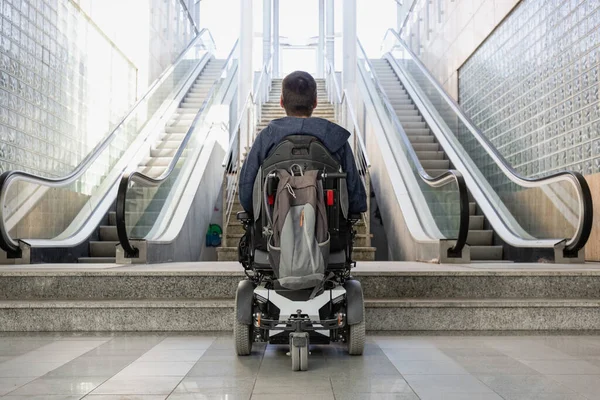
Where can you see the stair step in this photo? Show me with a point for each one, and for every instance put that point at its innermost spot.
(486, 252)
(163, 152)
(421, 139)
(416, 131)
(435, 164)
(420, 146)
(411, 126)
(96, 260)
(476, 222)
(108, 233)
(103, 249)
(430, 155)
(178, 128)
(480, 238)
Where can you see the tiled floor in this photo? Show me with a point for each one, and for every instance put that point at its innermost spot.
(153, 367)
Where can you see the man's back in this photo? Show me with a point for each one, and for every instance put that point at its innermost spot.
(299, 98)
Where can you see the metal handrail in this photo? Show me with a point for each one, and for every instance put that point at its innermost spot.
(451, 175)
(140, 177)
(584, 227)
(189, 15)
(10, 246)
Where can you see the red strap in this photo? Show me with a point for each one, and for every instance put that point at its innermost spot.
(330, 197)
(271, 199)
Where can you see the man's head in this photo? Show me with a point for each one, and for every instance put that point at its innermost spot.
(299, 94)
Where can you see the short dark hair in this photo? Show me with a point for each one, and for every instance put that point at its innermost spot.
(299, 92)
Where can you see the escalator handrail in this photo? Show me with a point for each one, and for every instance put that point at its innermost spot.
(266, 69)
(340, 98)
(584, 227)
(451, 175)
(189, 16)
(146, 180)
(10, 246)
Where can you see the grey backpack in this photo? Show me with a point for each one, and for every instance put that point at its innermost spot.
(299, 245)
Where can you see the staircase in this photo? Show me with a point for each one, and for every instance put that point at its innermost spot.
(434, 160)
(272, 110)
(142, 199)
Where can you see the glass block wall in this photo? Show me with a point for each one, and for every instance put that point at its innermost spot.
(533, 89)
(63, 85)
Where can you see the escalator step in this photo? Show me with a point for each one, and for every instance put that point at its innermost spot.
(103, 249)
(480, 238)
(108, 233)
(486, 253)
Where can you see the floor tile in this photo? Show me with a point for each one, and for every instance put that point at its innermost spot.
(587, 385)
(71, 345)
(502, 365)
(44, 397)
(380, 384)
(300, 383)
(435, 395)
(432, 384)
(213, 394)
(11, 369)
(152, 368)
(525, 385)
(8, 385)
(172, 355)
(187, 342)
(93, 366)
(288, 396)
(61, 385)
(18, 347)
(427, 354)
(435, 367)
(224, 369)
(375, 396)
(563, 367)
(214, 385)
(139, 385)
(48, 356)
(126, 397)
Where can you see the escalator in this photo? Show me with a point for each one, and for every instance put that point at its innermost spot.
(421, 139)
(82, 204)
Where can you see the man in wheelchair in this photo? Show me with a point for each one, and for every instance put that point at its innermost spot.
(301, 192)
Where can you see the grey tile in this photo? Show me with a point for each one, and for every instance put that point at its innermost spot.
(187, 342)
(379, 384)
(13, 369)
(5, 358)
(66, 385)
(8, 385)
(18, 347)
(225, 369)
(214, 384)
(528, 349)
(48, 356)
(431, 384)
(141, 368)
(435, 367)
(395, 342)
(288, 396)
(211, 396)
(574, 346)
(543, 396)
(502, 365)
(301, 383)
(375, 396)
(586, 385)
(72, 345)
(172, 355)
(93, 366)
(139, 385)
(525, 385)
(427, 354)
(435, 395)
(563, 367)
(43, 397)
(126, 397)
(472, 352)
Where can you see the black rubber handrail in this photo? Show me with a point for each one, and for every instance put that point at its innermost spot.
(586, 217)
(451, 175)
(7, 243)
(130, 250)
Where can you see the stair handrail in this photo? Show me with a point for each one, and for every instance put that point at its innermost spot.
(232, 160)
(144, 179)
(585, 220)
(451, 175)
(7, 243)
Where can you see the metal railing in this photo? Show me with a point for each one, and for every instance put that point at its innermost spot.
(135, 177)
(450, 176)
(10, 245)
(584, 198)
(345, 116)
(247, 122)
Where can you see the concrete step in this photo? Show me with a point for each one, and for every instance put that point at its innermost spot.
(103, 249)
(480, 238)
(96, 260)
(439, 314)
(108, 233)
(221, 281)
(381, 315)
(479, 253)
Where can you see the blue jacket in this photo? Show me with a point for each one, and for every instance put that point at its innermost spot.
(333, 137)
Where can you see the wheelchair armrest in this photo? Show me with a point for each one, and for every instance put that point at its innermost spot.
(243, 216)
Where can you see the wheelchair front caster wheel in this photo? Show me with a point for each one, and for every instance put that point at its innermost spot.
(299, 358)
